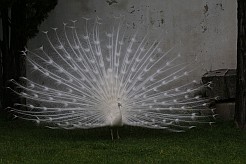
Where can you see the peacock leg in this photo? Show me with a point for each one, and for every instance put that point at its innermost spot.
(118, 136)
(112, 134)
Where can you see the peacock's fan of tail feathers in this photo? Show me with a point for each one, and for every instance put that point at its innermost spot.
(91, 78)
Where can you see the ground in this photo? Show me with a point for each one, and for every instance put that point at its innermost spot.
(27, 142)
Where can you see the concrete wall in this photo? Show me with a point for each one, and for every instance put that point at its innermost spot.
(207, 29)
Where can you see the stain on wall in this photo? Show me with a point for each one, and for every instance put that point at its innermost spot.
(111, 2)
(205, 8)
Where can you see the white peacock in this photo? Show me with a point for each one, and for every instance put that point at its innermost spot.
(97, 79)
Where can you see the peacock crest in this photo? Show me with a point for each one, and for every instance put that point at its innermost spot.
(97, 79)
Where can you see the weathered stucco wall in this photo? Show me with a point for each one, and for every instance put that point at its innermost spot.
(207, 29)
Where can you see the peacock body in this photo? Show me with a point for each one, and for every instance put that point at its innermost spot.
(96, 79)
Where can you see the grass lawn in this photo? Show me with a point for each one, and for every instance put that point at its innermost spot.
(25, 142)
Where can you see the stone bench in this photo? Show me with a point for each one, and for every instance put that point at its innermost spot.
(224, 88)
